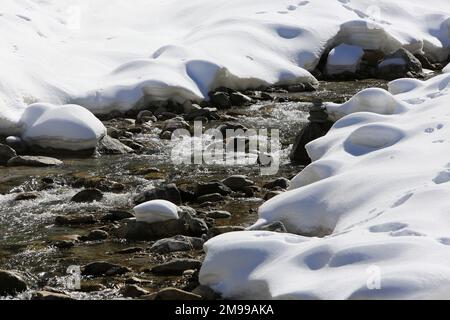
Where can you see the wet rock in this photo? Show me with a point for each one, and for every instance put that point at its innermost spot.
(88, 195)
(135, 280)
(90, 287)
(165, 135)
(207, 113)
(214, 197)
(276, 226)
(169, 192)
(95, 235)
(132, 144)
(271, 194)
(230, 126)
(102, 268)
(64, 244)
(206, 293)
(133, 291)
(398, 65)
(219, 215)
(82, 180)
(17, 144)
(202, 189)
(189, 107)
(34, 161)
(197, 227)
(11, 283)
(111, 146)
(175, 124)
(142, 231)
(25, 196)
(145, 116)
(216, 231)
(239, 99)
(238, 182)
(117, 215)
(173, 294)
(73, 220)
(50, 296)
(176, 267)
(221, 100)
(282, 183)
(6, 153)
(250, 191)
(163, 116)
(176, 244)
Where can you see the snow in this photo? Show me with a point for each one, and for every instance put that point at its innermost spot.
(344, 58)
(156, 211)
(115, 55)
(447, 69)
(372, 208)
(391, 62)
(68, 127)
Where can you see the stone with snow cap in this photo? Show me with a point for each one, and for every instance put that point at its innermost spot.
(156, 211)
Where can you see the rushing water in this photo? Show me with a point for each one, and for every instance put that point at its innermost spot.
(27, 228)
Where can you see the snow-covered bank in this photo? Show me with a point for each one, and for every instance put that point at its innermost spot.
(379, 186)
(112, 55)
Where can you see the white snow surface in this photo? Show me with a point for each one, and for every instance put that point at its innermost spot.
(378, 189)
(68, 127)
(344, 58)
(110, 55)
(156, 211)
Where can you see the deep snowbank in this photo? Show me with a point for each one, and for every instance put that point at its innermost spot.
(113, 55)
(378, 186)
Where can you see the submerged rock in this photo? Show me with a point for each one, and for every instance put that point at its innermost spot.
(34, 161)
(11, 283)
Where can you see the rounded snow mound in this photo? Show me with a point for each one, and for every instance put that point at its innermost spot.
(156, 211)
(370, 212)
(67, 127)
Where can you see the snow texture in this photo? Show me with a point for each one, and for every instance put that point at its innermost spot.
(156, 211)
(344, 58)
(377, 193)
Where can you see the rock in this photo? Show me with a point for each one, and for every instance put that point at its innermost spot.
(95, 182)
(169, 192)
(238, 182)
(176, 244)
(164, 116)
(271, 194)
(156, 211)
(89, 287)
(197, 227)
(216, 231)
(175, 124)
(17, 144)
(117, 215)
(221, 100)
(208, 113)
(101, 268)
(6, 153)
(11, 283)
(173, 294)
(230, 126)
(399, 64)
(145, 116)
(219, 215)
(214, 197)
(250, 191)
(135, 280)
(176, 267)
(64, 244)
(239, 99)
(109, 145)
(202, 189)
(276, 226)
(25, 196)
(73, 220)
(132, 144)
(95, 235)
(189, 107)
(34, 161)
(142, 231)
(130, 250)
(50, 296)
(206, 293)
(133, 291)
(282, 183)
(310, 132)
(88, 195)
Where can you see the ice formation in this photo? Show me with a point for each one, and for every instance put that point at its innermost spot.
(376, 192)
(156, 211)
